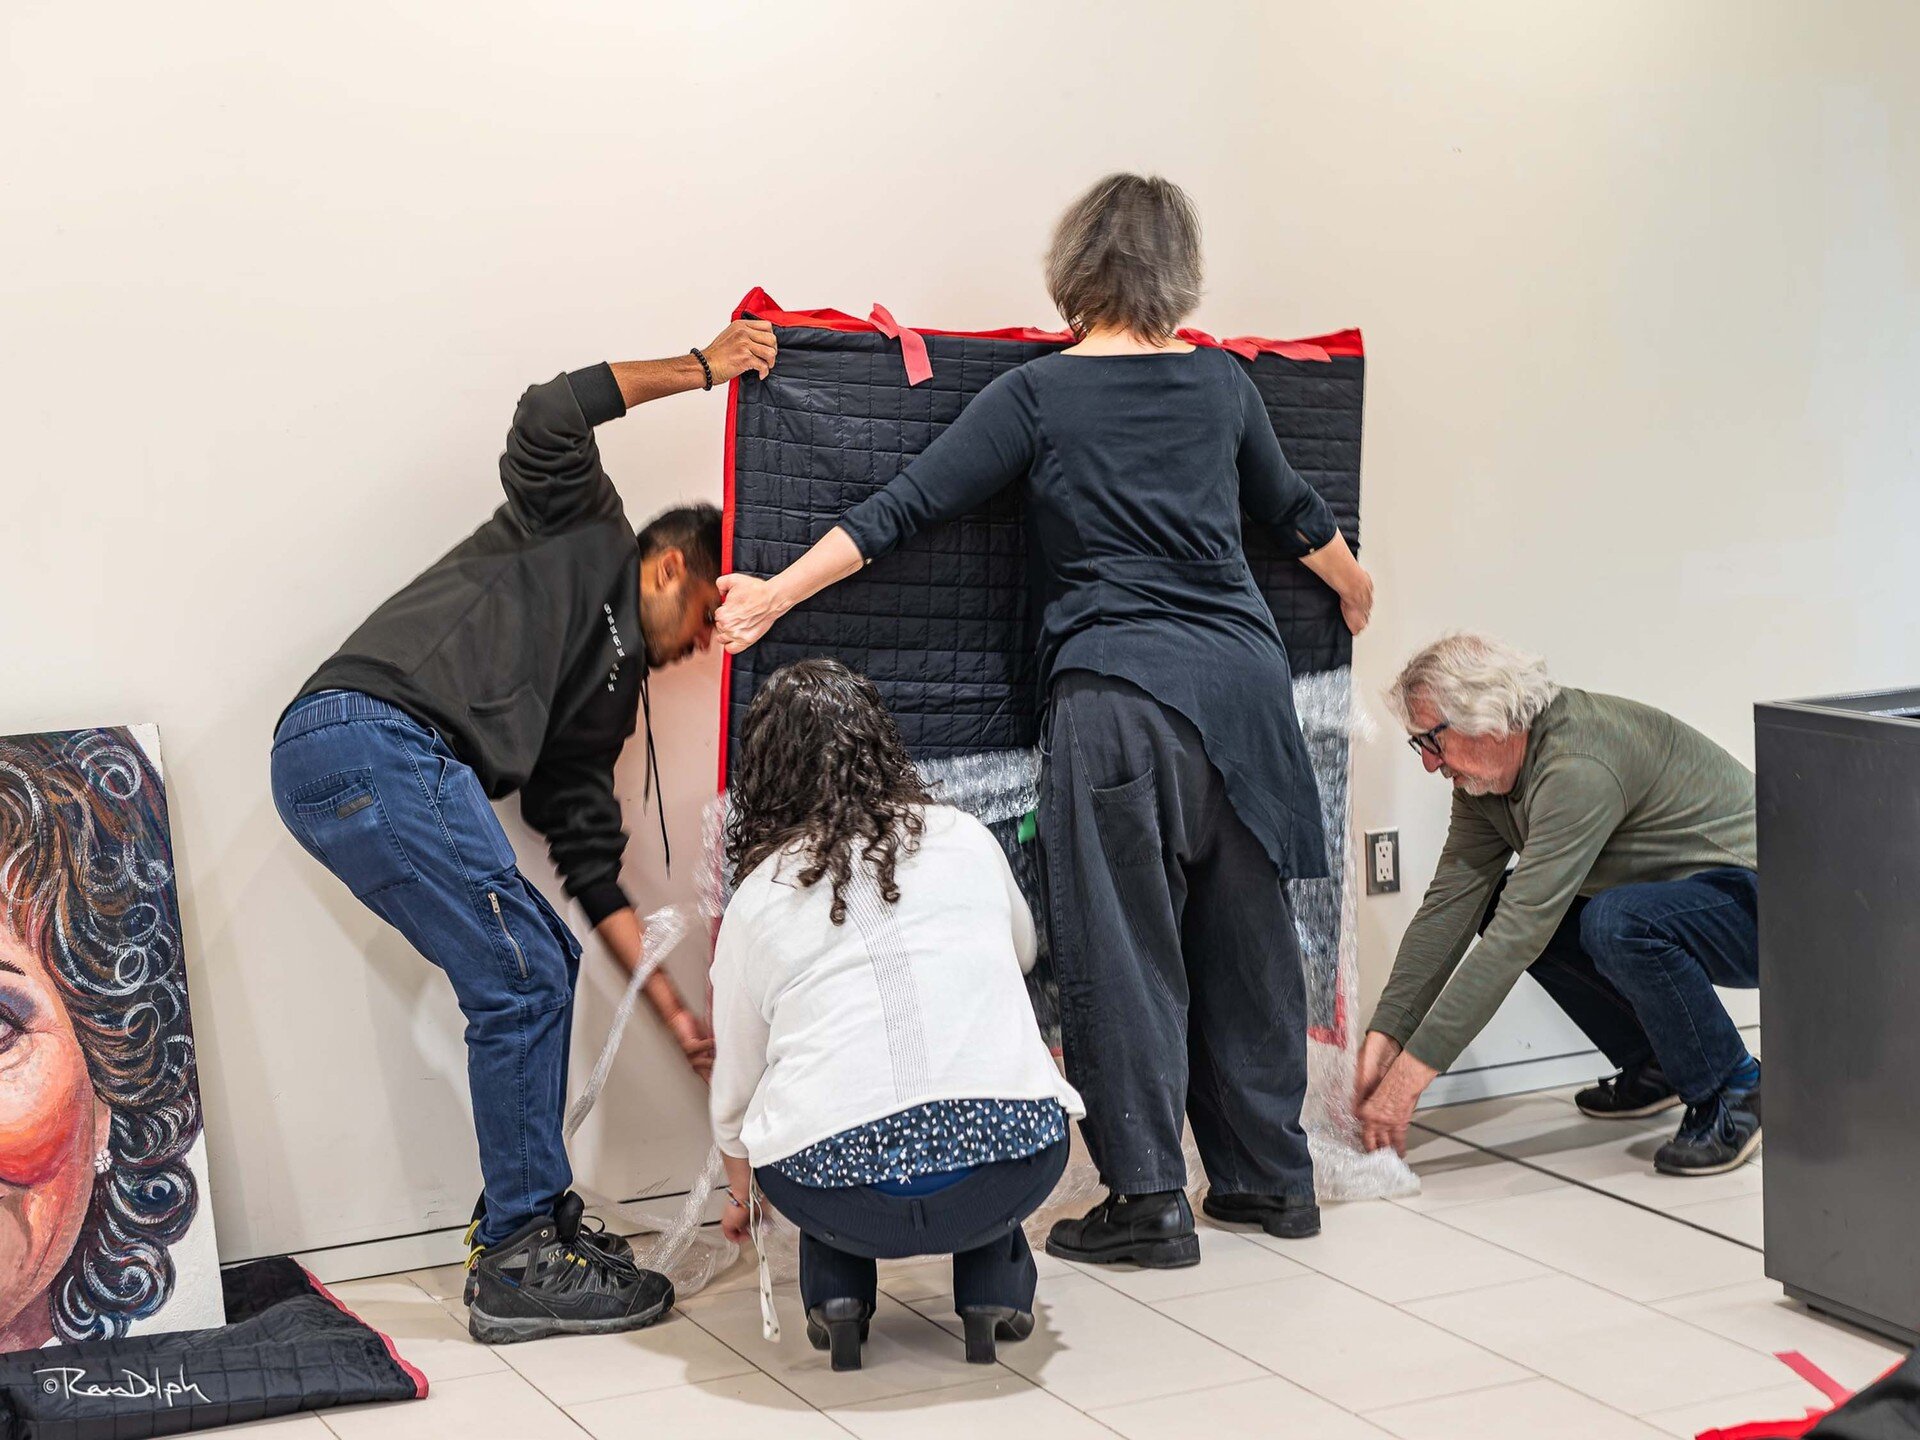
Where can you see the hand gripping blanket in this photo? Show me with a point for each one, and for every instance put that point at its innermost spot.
(941, 626)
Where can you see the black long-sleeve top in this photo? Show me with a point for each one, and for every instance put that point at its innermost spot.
(1137, 469)
(521, 646)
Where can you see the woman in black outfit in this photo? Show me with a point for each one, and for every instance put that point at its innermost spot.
(1176, 797)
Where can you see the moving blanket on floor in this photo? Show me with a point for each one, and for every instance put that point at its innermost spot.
(288, 1346)
(941, 626)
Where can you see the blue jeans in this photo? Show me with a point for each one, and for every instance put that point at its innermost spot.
(1634, 967)
(379, 799)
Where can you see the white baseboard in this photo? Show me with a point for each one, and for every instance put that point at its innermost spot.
(339, 1263)
(430, 1249)
(1549, 1072)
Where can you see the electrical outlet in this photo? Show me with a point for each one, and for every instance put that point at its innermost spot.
(1383, 862)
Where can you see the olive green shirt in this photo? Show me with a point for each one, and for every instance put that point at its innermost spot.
(1610, 793)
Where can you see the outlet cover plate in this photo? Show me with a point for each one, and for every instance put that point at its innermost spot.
(1381, 861)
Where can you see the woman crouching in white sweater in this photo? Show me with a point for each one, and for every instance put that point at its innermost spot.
(878, 1069)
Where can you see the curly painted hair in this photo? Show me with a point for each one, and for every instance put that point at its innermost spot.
(822, 767)
(86, 881)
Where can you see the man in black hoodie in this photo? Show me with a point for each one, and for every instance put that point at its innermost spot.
(517, 662)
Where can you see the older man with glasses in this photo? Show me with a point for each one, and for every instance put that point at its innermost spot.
(1634, 893)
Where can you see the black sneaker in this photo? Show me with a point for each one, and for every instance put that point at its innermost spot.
(840, 1328)
(543, 1280)
(1718, 1136)
(1285, 1217)
(1153, 1231)
(570, 1210)
(1636, 1092)
(986, 1323)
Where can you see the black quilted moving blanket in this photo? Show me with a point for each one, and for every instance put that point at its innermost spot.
(288, 1346)
(942, 625)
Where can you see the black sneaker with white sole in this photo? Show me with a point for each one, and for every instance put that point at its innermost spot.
(570, 1211)
(546, 1279)
(1635, 1093)
(1720, 1135)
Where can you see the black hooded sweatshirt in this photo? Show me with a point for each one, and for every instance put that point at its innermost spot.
(521, 646)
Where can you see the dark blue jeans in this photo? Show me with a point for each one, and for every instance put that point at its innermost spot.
(1634, 967)
(976, 1220)
(380, 800)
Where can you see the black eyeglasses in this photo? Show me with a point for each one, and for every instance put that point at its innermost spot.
(1427, 742)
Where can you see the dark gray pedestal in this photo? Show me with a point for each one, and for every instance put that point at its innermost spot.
(1839, 818)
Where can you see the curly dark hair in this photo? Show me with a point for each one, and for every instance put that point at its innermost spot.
(822, 765)
(86, 881)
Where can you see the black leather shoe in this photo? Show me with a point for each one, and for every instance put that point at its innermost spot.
(1636, 1092)
(840, 1327)
(986, 1323)
(1285, 1217)
(1152, 1231)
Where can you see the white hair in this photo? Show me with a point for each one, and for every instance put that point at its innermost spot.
(1479, 685)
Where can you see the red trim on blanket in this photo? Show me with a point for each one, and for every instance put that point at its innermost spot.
(1767, 1429)
(1340, 343)
(726, 546)
(1789, 1429)
(419, 1380)
(1814, 1376)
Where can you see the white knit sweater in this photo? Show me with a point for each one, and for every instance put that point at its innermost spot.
(821, 1027)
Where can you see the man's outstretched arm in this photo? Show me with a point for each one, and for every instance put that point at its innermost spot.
(744, 345)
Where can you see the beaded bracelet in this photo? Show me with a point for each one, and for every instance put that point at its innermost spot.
(705, 369)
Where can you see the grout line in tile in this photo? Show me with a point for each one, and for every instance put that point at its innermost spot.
(1265, 1374)
(1652, 1308)
(1587, 1186)
(821, 1410)
(1554, 1269)
(1483, 1390)
(1514, 1384)
(1845, 1326)
(754, 1367)
(1260, 1379)
(436, 1385)
(1375, 1299)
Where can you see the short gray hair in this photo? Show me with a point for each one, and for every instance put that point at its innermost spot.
(1480, 686)
(1127, 254)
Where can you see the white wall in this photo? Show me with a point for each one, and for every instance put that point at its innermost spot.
(1638, 284)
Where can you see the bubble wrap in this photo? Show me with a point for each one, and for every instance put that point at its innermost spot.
(999, 788)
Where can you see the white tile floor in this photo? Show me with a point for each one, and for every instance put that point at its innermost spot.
(1544, 1283)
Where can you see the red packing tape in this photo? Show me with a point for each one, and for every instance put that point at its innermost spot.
(913, 345)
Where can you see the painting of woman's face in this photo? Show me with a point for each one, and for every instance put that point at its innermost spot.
(52, 1124)
(104, 1227)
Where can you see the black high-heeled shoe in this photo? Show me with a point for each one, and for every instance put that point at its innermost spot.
(986, 1323)
(840, 1327)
